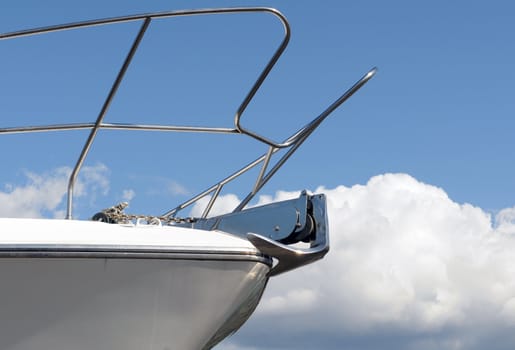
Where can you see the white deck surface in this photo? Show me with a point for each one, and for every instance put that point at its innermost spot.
(35, 232)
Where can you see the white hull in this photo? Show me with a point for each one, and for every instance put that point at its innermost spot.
(102, 296)
(115, 284)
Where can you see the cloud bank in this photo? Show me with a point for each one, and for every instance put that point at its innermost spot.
(408, 269)
(43, 195)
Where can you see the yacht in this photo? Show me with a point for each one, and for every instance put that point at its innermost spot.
(123, 281)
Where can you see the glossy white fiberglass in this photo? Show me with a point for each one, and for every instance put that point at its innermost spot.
(89, 233)
(78, 285)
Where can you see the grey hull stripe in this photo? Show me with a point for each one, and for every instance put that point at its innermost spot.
(49, 251)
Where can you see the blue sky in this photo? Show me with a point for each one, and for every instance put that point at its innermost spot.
(440, 108)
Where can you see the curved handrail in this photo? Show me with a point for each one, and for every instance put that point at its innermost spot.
(293, 142)
(264, 176)
(147, 19)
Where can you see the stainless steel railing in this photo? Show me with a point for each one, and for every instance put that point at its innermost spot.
(291, 143)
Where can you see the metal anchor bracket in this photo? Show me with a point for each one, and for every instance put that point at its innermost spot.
(288, 257)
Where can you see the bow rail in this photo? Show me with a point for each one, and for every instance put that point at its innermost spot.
(291, 143)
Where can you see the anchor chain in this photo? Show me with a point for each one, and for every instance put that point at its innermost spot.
(116, 215)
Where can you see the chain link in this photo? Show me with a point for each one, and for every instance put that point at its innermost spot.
(115, 214)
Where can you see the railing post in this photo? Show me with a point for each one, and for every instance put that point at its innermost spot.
(100, 118)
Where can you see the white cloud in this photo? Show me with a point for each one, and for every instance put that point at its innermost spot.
(407, 264)
(162, 186)
(128, 195)
(304, 299)
(505, 220)
(95, 179)
(224, 204)
(40, 193)
(176, 188)
(44, 194)
(408, 267)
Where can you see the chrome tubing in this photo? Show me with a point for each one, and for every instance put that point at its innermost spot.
(299, 137)
(147, 19)
(293, 142)
(114, 126)
(103, 111)
(296, 140)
